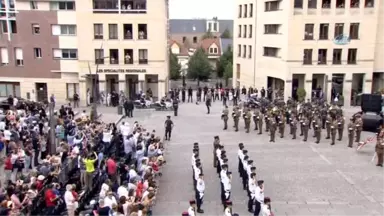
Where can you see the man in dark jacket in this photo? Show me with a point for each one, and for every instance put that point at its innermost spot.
(128, 108)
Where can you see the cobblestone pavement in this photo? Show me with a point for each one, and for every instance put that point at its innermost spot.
(302, 178)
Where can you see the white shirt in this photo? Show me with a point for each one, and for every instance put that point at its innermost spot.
(191, 211)
(2, 125)
(259, 194)
(200, 185)
(122, 191)
(68, 198)
(249, 171)
(227, 212)
(107, 136)
(197, 173)
(132, 173)
(103, 191)
(7, 135)
(223, 175)
(218, 153)
(240, 154)
(265, 210)
(252, 188)
(193, 160)
(109, 201)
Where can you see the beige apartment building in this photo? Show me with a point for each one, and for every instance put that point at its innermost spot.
(335, 45)
(62, 47)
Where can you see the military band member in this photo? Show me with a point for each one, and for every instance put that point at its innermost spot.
(224, 117)
(251, 192)
(247, 120)
(317, 129)
(351, 133)
(272, 128)
(379, 148)
(328, 124)
(306, 124)
(227, 187)
(259, 196)
(236, 116)
(198, 170)
(244, 173)
(340, 127)
(240, 156)
(223, 177)
(216, 145)
(323, 117)
(267, 122)
(199, 193)
(315, 121)
(333, 131)
(256, 118)
(248, 171)
(261, 116)
(294, 127)
(281, 126)
(359, 128)
(301, 120)
(218, 155)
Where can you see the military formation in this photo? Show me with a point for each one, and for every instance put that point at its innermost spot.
(306, 118)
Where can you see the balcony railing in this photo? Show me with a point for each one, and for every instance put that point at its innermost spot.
(112, 6)
(143, 61)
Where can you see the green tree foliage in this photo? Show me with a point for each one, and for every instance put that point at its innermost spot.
(198, 66)
(226, 34)
(301, 93)
(174, 67)
(224, 59)
(207, 35)
(228, 72)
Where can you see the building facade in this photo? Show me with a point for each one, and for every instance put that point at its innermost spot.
(333, 45)
(63, 47)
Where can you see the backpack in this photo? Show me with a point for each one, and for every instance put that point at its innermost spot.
(8, 164)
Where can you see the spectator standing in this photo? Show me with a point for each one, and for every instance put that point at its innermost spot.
(89, 170)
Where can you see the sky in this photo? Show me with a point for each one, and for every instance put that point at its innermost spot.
(190, 9)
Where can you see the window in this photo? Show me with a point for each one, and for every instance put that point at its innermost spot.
(322, 57)
(272, 6)
(128, 31)
(143, 34)
(238, 50)
(250, 31)
(354, 31)
(298, 4)
(240, 10)
(308, 31)
(7, 89)
(19, 57)
(244, 51)
(72, 88)
(355, 3)
(271, 51)
(64, 30)
(249, 51)
(143, 56)
(339, 29)
(99, 56)
(12, 26)
(112, 31)
(271, 29)
(194, 39)
(4, 56)
(369, 3)
(37, 52)
(34, 5)
(324, 28)
(239, 35)
(210, 26)
(326, 4)
(67, 54)
(352, 56)
(98, 31)
(340, 3)
(245, 31)
(62, 5)
(35, 29)
(307, 56)
(113, 56)
(245, 11)
(250, 10)
(213, 50)
(337, 54)
(312, 4)
(128, 56)
(184, 39)
(215, 26)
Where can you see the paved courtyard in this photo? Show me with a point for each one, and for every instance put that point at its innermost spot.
(302, 178)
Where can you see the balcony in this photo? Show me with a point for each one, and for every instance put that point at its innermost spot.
(128, 56)
(113, 56)
(105, 6)
(142, 31)
(128, 31)
(133, 6)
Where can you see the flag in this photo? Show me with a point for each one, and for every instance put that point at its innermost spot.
(362, 144)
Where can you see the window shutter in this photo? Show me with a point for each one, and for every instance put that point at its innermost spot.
(57, 53)
(4, 56)
(19, 53)
(56, 30)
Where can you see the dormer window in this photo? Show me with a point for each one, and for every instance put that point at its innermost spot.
(213, 26)
(213, 50)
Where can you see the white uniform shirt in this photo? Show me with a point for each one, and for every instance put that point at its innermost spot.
(218, 153)
(191, 211)
(227, 187)
(193, 160)
(265, 210)
(259, 195)
(223, 175)
(227, 212)
(252, 188)
(240, 154)
(245, 164)
(197, 173)
(200, 186)
(249, 170)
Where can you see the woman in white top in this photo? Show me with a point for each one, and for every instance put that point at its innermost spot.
(69, 200)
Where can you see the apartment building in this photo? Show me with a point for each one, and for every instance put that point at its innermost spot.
(335, 45)
(63, 47)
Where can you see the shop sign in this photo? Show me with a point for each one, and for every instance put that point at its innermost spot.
(121, 70)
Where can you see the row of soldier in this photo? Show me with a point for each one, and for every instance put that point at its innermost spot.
(305, 118)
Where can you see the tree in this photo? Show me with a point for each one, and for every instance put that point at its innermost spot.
(198, 66)
(207, 35)
(224, 59)
(228, 72)
(226, 34)
(301, 93)
(174, 67)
